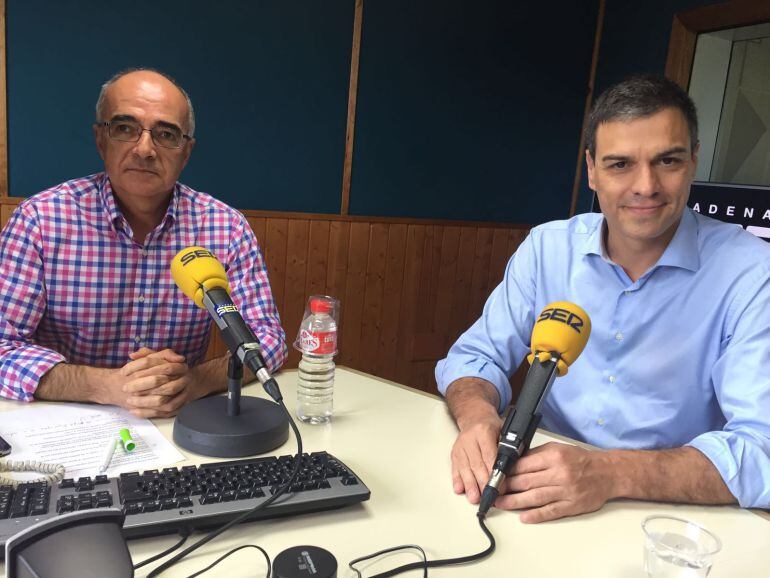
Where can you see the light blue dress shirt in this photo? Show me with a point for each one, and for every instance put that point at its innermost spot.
(679, 357)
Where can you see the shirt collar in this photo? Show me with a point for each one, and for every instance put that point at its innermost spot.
(116, 216)
(681, 252)
(594, 242)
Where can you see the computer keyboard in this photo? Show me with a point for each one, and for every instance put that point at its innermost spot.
(188, 498)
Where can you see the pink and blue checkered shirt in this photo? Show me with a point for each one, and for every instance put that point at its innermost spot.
(76, 288)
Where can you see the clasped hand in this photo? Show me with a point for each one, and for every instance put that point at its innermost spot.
(551, 481)
(154, 383)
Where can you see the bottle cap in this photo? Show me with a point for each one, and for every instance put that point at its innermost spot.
(320, 306)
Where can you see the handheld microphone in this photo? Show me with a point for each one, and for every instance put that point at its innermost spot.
(558, 338)
(201, 277)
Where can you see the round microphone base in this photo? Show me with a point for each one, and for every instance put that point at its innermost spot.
(203, 427)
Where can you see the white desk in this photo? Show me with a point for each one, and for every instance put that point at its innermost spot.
(398, 441)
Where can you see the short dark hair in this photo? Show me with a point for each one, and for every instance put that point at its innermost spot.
(638, 97)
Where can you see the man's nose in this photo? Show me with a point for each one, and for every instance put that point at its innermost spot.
(145, 147)
(646, 181)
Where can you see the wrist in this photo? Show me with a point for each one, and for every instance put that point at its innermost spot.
(617, 473)
(481, 413)
(103, 384)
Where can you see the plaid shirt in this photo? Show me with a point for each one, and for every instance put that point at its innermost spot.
(76, 288)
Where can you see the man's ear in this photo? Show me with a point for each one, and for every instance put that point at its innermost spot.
(591, 169)
(99, 138)
(695, 152)
(188, 151)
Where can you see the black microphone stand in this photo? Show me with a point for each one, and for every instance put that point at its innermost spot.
(234, 426)
(234, 377)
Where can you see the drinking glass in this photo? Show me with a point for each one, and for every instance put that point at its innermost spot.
(677, 548)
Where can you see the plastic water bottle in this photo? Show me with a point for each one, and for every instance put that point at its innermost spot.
(318, 342)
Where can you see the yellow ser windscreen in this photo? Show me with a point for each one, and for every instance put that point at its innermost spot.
(562, 328)
(196, 268)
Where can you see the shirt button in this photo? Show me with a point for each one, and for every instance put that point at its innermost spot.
(137, 339)
(619, 336)
(627, 292)
(612, 378)
(141, 299)
(144, 252)
(600, 421)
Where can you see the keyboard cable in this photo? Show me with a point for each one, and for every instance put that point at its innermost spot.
(214, 533)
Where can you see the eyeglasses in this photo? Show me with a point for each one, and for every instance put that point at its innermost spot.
(165, 136)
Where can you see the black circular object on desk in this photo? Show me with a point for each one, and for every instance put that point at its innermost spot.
(305, 562)
(204, 427)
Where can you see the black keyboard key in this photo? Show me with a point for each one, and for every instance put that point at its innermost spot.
(349, 481)
(38, 509)
(132, 508)
(243, 494)
(228, 495)
(168, 504)
(103, 499)
(151, 506)
(210, 497)
(84, 484)
(136, 496)
(100, 480)
(67, 483)
(185, 503)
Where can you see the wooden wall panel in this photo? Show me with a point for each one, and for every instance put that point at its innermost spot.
(387, 350)
(353, 301)
(408, 288)
(296, 275)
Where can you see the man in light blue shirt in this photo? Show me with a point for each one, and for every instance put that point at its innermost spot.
(674, 382)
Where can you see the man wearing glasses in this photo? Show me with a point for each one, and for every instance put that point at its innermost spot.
(88, 309)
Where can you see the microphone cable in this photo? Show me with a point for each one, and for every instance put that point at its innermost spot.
(425, 564)
(214, 533)
(183, 535)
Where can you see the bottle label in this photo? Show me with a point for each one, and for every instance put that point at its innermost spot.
(319, 343)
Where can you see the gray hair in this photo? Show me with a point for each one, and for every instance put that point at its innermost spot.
(639, 97)
(122, 73)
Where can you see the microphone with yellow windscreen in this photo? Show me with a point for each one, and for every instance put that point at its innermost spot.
(196, 270)
(563, 329)
(558, 338)
(232, 426)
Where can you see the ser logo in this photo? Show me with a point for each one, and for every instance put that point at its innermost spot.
(196, 254)
(223, 309)
(563, 316)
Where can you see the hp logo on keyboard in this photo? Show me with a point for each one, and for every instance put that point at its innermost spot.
(185, 512)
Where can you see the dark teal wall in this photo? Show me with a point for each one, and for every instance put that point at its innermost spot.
(269, 81)
(634, 41)
(471, 109)
(467, 109)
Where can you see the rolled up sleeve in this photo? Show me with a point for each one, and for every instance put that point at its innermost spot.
(22, 305)
(741, 451)
(253, 297)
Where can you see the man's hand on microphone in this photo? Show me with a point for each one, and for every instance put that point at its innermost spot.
(473, 403)
(473, 455)
(558, 480)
